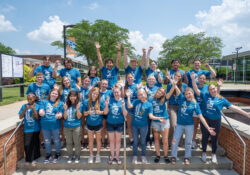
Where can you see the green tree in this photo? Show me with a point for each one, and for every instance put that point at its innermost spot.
(105, 32)
(190, 47)
(6, 49)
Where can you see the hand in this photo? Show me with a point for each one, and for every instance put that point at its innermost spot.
(56, 86)
(158, 70)
(167, 73)
(162, 120)
(27, 107)
(58, 115)
(107, 101)
(150, 48)
(65, 106)
(123, 103)
(78, 87)
(41, 112)
(220, 82)
(125, 49)
(78, 106)
(174, 82)
(57, 63)
(211, 131)
(146, 89)
(118, 46)
(98, 112)
(97, 45)
(36, 65)
(207, 65)
(139, 85)
(128, 93)
(193, 76)
(143, 51)
(185, 73)
(90, 112)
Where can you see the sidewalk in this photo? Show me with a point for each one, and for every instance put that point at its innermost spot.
(10, 110)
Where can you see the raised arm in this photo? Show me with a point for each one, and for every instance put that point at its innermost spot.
(34, 111)
(167, 75)
(159, 77)
(219, 84)
(195, 87)
(125, 55)
(178, 92)
(31, 74)
(148, 56)
(118, 47)
(99, 56)
(23, 113)
(124, 110)
(65, 114)
(239, 110)
(78, 113)
(212, 71)
(185, 76)
(54, 73)
(106, 109)
(128, 94)
(143, 58)
(169, 94)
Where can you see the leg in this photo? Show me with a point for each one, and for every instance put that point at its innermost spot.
(189, 131)
(98, 141)
(196, 123)
(135, 137)
(104, 130)
(36, 148)
(205, 136)
(112, 144)
(91, 141)
(177, 135)
(173, 119)
(56, 139)
(215, 124)
(117, 144)
(143, 134)
(62, 131)
(28, 146)
(164, 134)
(69, 137)
(129, 123)
(83, 129)
(157, 141)
(77, 140)
(47, 140)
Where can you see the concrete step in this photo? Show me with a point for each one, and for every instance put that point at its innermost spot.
(196, 163)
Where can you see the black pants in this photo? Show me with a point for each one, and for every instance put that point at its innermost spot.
(148, 138)
(216, 124)
(32, 146)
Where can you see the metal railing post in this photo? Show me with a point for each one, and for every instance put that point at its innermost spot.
(124, 149)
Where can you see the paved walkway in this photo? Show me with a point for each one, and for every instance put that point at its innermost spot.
(10, 110)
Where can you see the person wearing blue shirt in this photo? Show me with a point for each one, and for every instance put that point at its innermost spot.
(41, 89)
(160, 128)
(94, 79)
(65, 89)
(185, 122)
(173, 101)
(29, 112)
(46, 69)
(69, 71)
(152, 70)
(109, 72)
(142, 110)
(212, 105)
(51, 114)
(197, 64)
(84, 89)
(136, 71)
(72, 125)
(92, 109)
(175, 63)
(116, 111)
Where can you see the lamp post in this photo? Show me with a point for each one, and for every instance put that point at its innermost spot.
(237, 55)
(64, 37)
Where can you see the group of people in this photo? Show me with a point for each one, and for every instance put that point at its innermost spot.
(100, 106)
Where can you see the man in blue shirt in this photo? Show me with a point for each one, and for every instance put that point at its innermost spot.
(136, 71)
(109, 72)
(175, 63)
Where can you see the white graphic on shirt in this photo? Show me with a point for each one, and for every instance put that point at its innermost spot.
(38, 93)
(115, 109)
(156, 108)
(47, 75)
(184, 108)
(66, 93)
(139, 111)
(29, 117)
(109, 74)
(210, 105)
(49, 111)
(71, 114)
(67, 74)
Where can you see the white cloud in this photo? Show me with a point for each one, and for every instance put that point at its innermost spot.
(7, 8)
(154, 39)
(5, 25)
(93, 6)
(22, 52)
(48, 31)
(229, 21)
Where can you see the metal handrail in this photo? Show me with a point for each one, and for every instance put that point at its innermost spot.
(242, 141)
(124, 148)
(5, 145)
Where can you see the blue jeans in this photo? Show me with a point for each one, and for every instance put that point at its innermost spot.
(47, 134)
(179, 129)
(142, 131)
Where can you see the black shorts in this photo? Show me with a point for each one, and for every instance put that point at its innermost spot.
(94, 128)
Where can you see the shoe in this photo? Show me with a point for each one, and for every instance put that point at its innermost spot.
(98, 159)
(43, 145)
(47, 159)
(110, 161)
(56, 157)
(153, 145)
(91, 159)
(70, 159)
(193, 144)
(134, 161)
(148, 145)
(118, 161)
(34, 162)
(214, 159)
(63, 144)
(131, 143)
(167, 160)
(77, 160)
(144, 159)
(204, 157)
(157, 159)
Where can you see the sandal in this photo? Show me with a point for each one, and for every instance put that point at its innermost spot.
(167, 160)
(110, 161)
(118, 161)
(157, 159)
(173, 160)
(186, 161)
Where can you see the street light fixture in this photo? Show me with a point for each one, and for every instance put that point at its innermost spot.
(64, 37)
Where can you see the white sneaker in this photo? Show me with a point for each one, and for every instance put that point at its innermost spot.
(148, 145)
(144, 160)
(98, 159)
(153, 145)
(204, 157)
(77, 159)
(214, 159)
(90, 159)
(134, 161)
(193, 144)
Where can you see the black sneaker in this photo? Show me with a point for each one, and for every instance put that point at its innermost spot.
(167, 160)
(47, 159)
(56, 157)
(157, 159)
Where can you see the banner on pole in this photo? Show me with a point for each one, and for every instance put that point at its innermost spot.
(71, 47)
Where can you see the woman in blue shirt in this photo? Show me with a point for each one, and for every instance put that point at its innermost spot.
(51, 114)
(29, 112)
(94, 79)
(185, 122)
(92, 109)
(212, 104)
(72, 125)
(142, 110)
(116, 111)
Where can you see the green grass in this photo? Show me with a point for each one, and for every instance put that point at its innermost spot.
(11, 95)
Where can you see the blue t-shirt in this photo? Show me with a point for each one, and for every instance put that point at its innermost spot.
(111, 75)
(72, 73)
(31, 124)
(65, 93)
(137, 73)
(172, 72)
(41, 91)
(159, 110)
(93, 119)
(151, 91)
(47, 72)
(72, 120)
(186, 111)
(115, 115)
(140, 113)
(174, 99)
(49, 122)
(212, 106)
(197, 73)
(94, 81)
(105, 94)
(203, 89)
(84, 93)
(155, 74)
(133, 89)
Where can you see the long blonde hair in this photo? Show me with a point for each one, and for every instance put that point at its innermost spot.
(63, 86)
(162, 99)
(97, 102)
(191, 90)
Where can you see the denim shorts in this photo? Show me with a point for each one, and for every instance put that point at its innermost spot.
(160, 126)
(94, 128)
(115, 127)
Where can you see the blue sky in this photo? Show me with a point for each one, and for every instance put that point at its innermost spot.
(30, 26)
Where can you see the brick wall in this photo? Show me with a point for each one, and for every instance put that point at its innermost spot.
(234, 149)
(15, 150)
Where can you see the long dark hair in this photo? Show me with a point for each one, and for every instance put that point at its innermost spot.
(126, 84)
(74, 93)
(179, 84)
